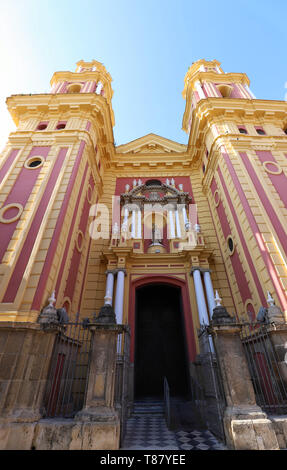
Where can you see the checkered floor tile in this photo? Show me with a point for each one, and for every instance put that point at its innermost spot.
(149, 431)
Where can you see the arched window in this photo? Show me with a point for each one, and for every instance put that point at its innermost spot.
(225, 90)
(74, 88)
(260, 131)
(153, 183)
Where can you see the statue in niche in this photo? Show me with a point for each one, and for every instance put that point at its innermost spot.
(156, 235)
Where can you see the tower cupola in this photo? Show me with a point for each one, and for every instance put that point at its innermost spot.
(206, 79)
(89, 77)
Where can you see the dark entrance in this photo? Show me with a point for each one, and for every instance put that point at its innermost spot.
(160, 343)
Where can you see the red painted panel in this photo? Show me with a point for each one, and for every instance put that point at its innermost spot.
(244, 246)
(22, 261)
(76, 257)
(252, 222)
(72, 226)
(278, 181)
(235, 260)
(20, 193)
(221, 212)
(53, 245)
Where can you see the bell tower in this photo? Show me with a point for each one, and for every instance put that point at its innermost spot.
(50, 175)
(206, 79)
(238, 143)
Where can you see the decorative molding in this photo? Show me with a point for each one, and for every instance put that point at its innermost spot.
(4, 209)
(272, 172)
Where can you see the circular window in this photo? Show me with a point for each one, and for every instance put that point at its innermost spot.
(10, 213)
(60, 126)
(80, 241)
(242, 130)
(89, 193)
(260, 131)
(42, 127)
(230, 244)
(34, 162)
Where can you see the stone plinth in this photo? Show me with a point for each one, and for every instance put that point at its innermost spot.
(25, 354)
(99, 413)
(246, 425)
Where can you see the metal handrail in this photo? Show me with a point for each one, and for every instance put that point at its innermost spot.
(166, 397)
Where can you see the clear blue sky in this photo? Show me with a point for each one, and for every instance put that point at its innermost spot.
(147, 46)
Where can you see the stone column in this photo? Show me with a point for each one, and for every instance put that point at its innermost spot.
(200, 300)
(171, 224)
(133, 231)
(209, 291)
(246, 425)
(119, 301)
(125, 221)
(102, 424)
(185, 219)
(178, 228)
(139, 228)
(109, 288)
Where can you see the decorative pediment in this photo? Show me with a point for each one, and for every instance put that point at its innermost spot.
(150, 193)
(150, 144)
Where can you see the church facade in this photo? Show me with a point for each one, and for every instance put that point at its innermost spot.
(157, 232)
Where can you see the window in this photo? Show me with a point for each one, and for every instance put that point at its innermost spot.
(42, 126)
(225, 90)
(153, 183)
(34, 162)
(260, 131)
(285, 130)
(60, 126)
(230, 244)
(74, 88)
(242, 130)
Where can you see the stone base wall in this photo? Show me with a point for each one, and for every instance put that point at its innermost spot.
(280, 427)
(52, 434)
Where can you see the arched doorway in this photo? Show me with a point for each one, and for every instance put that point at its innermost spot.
(160, 349)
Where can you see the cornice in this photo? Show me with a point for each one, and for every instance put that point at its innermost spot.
(153, 161)
(210, 109)
(19, 105)
(154, 258)
(80, 76)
